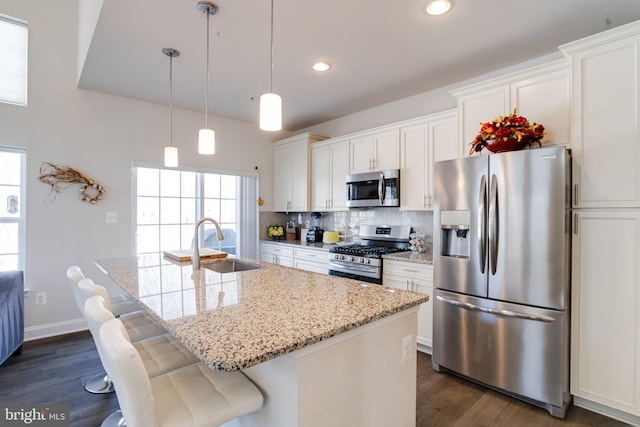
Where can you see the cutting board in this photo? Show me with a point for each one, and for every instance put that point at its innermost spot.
(185, 255)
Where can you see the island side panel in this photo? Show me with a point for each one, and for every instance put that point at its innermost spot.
(357, 378)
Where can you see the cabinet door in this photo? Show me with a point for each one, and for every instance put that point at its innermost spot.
(546, 99)
(425, 315)
(443, 145)
(299, 176)
(414, 175)
(339, 171)
(282, 178)
(605, 323)
(360, 156)
(606, 149)
(320, 178)
(386, 150)
(477, 108)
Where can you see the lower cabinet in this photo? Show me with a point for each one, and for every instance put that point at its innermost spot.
(286, 255)
(414, 277)
(311, 260)
(605, 320)
(277, 254)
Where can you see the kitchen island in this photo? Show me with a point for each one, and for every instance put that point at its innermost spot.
(323, 350)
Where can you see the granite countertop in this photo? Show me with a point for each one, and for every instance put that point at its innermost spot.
(423, 258)
(233, 321)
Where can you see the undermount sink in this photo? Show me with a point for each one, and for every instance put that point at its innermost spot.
(230, 266)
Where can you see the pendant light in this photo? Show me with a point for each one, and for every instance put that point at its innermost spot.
(206, 136)
(271, 103)
(170, 152)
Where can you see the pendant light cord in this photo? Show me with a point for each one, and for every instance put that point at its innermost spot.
(171, 99)
(271, 57)
(206, 101)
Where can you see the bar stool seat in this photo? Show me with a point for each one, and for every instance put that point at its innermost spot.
(191, 396)
(159, 354)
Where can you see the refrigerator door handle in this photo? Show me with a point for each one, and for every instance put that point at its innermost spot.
(493, 225)
(482, 223)
(504, 313)
(381, 189)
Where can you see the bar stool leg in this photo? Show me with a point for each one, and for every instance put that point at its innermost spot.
(115, 419)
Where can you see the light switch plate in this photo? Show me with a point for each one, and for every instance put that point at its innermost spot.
(112, 217)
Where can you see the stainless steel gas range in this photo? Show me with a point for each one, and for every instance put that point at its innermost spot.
(364, 261)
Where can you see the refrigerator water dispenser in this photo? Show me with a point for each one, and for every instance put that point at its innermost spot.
(454, 229)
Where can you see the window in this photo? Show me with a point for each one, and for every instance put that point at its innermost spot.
(169, 202)
(13, 61)
(12, 192)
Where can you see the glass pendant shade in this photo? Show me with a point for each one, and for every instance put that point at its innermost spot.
(206, 141)
(270, 112)
(171, 157)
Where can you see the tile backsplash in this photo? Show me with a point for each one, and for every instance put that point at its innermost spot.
(419, 220)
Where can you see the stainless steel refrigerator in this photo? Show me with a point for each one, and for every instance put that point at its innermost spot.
(501, 251)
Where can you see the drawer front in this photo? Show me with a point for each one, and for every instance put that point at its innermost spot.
(311, 255)
(315, 267)
(410, 269)
(279, 250)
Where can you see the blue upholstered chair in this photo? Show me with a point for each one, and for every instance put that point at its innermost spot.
(11, 313)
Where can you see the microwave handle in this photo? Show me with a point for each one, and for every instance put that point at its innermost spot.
(381, 189)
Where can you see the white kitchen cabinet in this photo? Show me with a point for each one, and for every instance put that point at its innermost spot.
(277, 254)
(605, 322)
(422, 143)
(606, 136)
(416, 277)
(291, 173)
(329, 168)
(541, 94)
(376, 151)
(311, 260)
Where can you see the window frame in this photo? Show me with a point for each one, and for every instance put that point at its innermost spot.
(21, 220)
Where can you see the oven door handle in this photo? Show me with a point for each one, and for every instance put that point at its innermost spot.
(381, 189)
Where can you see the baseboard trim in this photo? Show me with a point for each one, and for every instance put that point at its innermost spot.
(53, 329)
(606, 410)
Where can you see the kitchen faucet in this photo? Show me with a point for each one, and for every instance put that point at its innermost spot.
(196, 252)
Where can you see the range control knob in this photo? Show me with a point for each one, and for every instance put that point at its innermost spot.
(361, 260)
(351, 258)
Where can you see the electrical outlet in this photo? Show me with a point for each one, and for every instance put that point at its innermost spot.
(407, 346)
(41, 298)
(112, 217)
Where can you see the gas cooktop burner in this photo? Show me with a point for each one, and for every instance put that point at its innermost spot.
(365, 251)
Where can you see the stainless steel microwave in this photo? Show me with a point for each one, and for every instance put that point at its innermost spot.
(373, 189)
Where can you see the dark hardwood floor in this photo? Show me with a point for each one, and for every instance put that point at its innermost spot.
(52, 371)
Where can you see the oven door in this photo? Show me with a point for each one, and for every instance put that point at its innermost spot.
(365, 273)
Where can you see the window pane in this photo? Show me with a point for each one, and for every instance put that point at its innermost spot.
(212, 208)
(170, 210)
(148, 182)
(228, 210)
(9, 168)
(148, 210)
(169, 183)
(9, 238)
(188, 211)
(169, 237)
(188, 183)
(211, 185)
(13, 65)
(228, 187)
(10, 196)
(147, 239)
(9, 262)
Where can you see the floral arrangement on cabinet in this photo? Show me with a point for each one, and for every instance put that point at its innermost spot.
(507, 133)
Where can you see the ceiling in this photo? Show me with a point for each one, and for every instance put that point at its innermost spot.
(379, 51)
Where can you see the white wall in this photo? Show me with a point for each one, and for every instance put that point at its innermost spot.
(100, 135)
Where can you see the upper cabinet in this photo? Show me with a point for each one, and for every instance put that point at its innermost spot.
(541, 94)
(291, 172)
(606, 100)
(422, 143)
(374, 151)
(330, 167)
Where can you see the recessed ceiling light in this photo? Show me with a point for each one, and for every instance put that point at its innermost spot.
(438, 7)
(321, 66)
